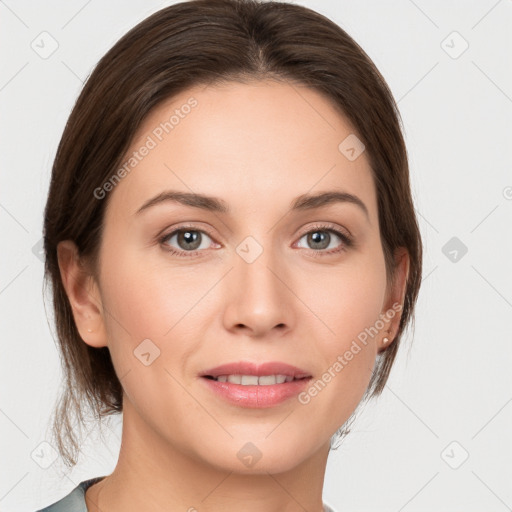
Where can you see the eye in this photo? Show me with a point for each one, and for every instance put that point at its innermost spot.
(321, 237)
(189, 241)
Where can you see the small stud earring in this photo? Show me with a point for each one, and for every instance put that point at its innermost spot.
(385, 340)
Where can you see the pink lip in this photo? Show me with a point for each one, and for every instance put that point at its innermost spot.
(255, 396)
(248, 368)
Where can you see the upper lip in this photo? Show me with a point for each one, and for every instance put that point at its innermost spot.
(259, 369)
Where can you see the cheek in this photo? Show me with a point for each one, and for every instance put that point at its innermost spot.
(143, 322)
(347, 298)
(136, 310)
(146, 297)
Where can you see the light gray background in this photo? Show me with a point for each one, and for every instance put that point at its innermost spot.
(449, 396)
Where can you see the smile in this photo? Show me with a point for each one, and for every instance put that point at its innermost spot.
(253, 380)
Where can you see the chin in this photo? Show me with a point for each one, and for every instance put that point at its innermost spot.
(259, 456)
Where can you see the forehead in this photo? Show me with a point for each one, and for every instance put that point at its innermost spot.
(254, 144)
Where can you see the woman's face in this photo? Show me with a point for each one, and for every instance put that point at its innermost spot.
(246, 282)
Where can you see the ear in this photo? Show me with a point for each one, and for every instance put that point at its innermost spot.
(394, 303)
(83, 295)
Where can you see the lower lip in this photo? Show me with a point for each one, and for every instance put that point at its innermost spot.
(257, 396)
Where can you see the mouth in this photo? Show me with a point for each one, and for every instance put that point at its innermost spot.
(253, 385)
(248, 373)
(255, 380)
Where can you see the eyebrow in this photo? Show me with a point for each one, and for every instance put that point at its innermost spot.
(302, 203)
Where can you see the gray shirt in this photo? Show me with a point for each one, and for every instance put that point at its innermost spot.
(75, 500)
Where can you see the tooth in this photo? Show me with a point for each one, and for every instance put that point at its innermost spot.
(249, 380)
(266, 380)
(254, 380)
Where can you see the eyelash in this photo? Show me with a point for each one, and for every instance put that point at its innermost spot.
(347, 241)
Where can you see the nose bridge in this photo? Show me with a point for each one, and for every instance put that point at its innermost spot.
(259, 299)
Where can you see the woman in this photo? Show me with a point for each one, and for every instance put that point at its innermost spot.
(233, 252)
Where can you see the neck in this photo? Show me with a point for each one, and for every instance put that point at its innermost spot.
(152, 474)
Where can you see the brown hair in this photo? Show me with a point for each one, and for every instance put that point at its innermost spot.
(206, 42)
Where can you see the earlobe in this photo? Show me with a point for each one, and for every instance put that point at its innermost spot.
(385, 341)
(82, 294)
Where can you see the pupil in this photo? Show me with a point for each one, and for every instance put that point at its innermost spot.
(320, 239)
(189, 237)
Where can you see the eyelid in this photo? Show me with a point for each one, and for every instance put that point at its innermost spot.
(343, 234)
(326, 226)
(316, 225)
(167, 232)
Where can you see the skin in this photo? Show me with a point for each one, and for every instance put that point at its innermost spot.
(257, 146)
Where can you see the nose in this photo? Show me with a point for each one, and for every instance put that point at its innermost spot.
(258, 297)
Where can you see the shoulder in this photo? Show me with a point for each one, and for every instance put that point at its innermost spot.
(75, 500)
